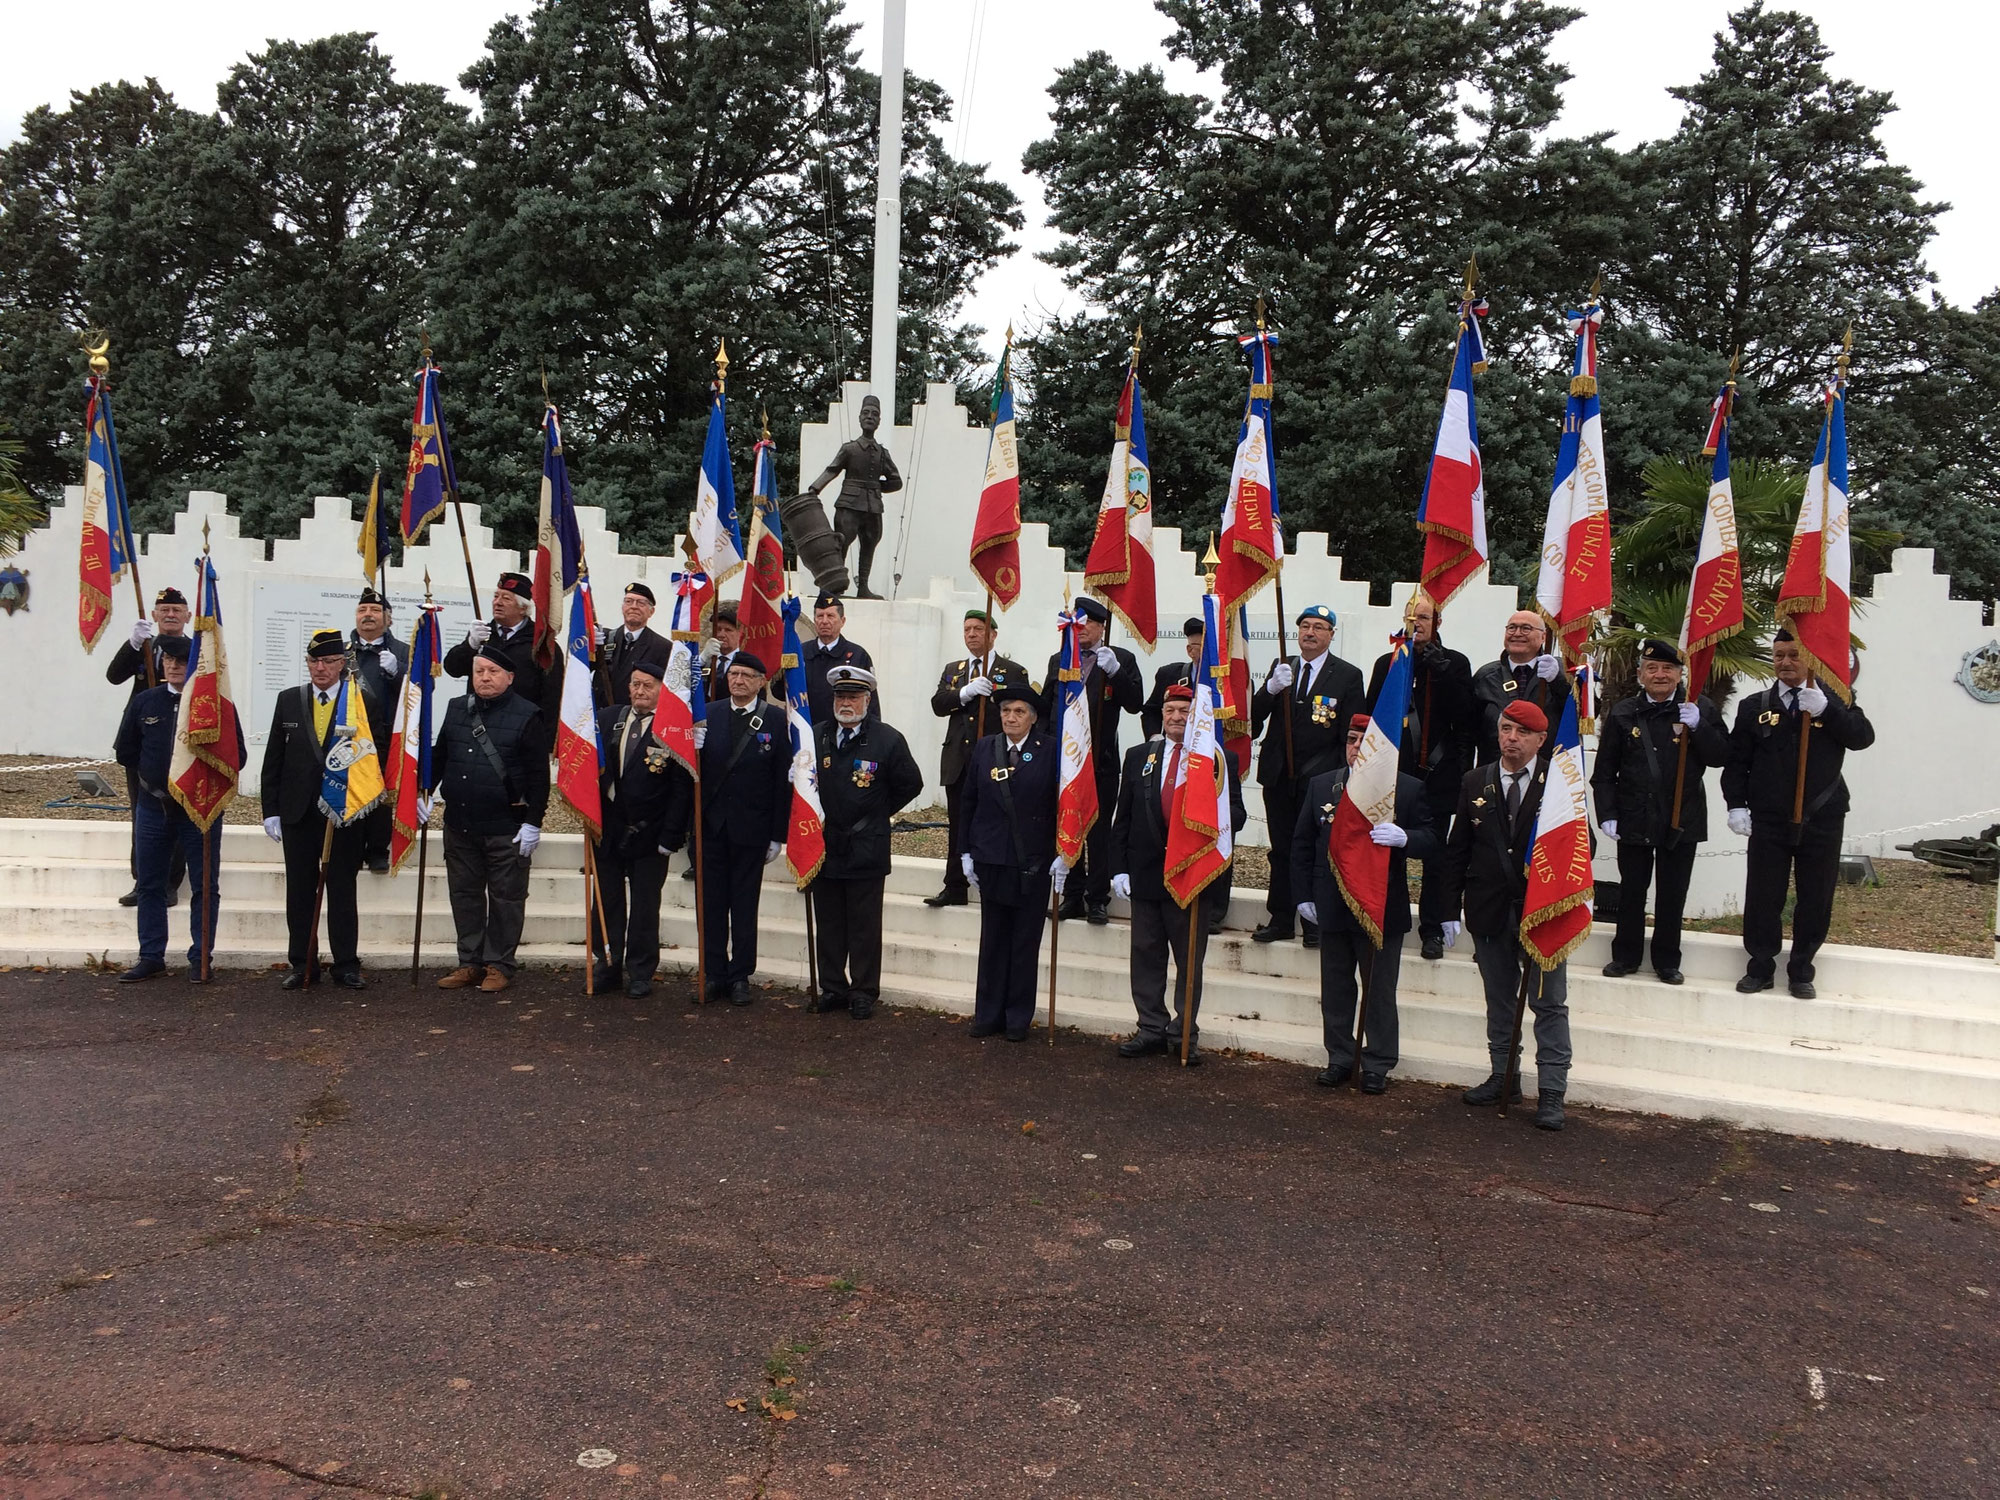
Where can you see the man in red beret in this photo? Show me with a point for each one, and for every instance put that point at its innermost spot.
(1485, 875)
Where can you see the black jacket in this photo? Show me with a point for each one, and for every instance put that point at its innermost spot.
(541, 689)
(478, 799)
(1441, 732)
(1763, 766)
(1312, 866)
(294, 756)
(860, 789)
(1123, 692)
(128, 665)
(1638, 754)
(1319, 722)
(818, 660)
(1500, 683)
(1138, 845)
(963, 728)
(1482, 868)
(1171, 675)
(1026, 839)
(746, 775)
(617, 659)
(648, 795)
(379, 689)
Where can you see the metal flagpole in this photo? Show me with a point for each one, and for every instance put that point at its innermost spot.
(424, 829)
(888, 213)
(1361, 1002)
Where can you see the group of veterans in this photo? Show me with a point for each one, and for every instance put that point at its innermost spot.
(1475, 748)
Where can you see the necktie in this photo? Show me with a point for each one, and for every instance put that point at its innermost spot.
(846, 737)
(1168, 783)
(1791, 700)
(1013, 755)
(1513, 795)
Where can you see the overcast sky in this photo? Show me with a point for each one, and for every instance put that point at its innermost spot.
(1935, 56)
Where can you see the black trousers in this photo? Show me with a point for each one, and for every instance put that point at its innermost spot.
(1638, 865)
(1281, 817)
(848, 918)
(176, 870)
(1160, 929)
(954, 851)
(1090, 882)
(488, 881)
(630, 893)
(303, 841)
(1813, 866)
(1013, 911)
(375, 831)
(731, 876)
(1432, 912)
(1342, 952)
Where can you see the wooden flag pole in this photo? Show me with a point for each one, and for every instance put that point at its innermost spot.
(417, 937)
(1188, 967)
(1530, 971)
(457, 509)
(319, 900)
(1278, 590)
(100, 366)
(1055, 942)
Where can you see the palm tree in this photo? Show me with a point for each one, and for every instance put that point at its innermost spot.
(19, 514)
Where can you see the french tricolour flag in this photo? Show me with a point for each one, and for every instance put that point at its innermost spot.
(1252, 551)
(1453, 513)
(409, 770)
(1715, 594)
(1555, 915)
(1360, 865)
(1814, 598)
(1574, 586)
(683, 701)
(1201, 835)
(713, 530)
(1076, 795)
(805, 837)
(579, 751)
(1119, 569)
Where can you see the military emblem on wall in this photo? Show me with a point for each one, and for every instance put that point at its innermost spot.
(13, 589)
(1978, 674)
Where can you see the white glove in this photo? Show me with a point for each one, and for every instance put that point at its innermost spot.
(710, 649)
(1690, 715)
(604, 635)
(772, 851)
(479, 634)
(1610, 828)
(1058, 873)
(525, 839)
(1309, 912)
(965, 864)
(1121, 887)
(274, 830)
(1280, 678)
(1812, 698)
(424, 805)
(1107, 660)
(700, 735)
(1546, 667)
(1739, 821)
(142, 633)
(1451, 932)
(979, 687)
(1388, 835)
(387, 660)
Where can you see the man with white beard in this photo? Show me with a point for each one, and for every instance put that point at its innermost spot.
(866, 776)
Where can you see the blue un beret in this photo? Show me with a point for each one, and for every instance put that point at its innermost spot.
(1319, 612)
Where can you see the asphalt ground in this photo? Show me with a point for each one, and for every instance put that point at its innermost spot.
(403, 1242)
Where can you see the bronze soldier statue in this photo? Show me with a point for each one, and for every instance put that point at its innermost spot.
(867, 473)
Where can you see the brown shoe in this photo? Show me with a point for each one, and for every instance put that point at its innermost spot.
(461, 978)
(494, 982)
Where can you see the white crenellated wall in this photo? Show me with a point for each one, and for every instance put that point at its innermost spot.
(1934, 760)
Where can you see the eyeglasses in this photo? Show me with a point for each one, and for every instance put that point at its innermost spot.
(1522, 629)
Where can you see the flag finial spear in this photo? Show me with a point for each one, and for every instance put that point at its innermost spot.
(1735, 360)
(204, 536)
(1260, 314)
(1596, 291)
(424, 333)
(1211, 560)
(427, 585)
(545, 383)
(1138, 338)
(764, 417)
(721, 363)
(1846, 350)
(1471, 276)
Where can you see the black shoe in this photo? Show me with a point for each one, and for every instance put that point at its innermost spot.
(1670, 976)
(144, 969)
(130, 898)
(1017, 1033)
(1193, 1058)
(1374, 1083)
(604, 978)
(1434, 948)
(1100, 913)
(1549, 1111)
(1489, 1091)
(195, 976)
(981, 1029)
(1214, 926)
(951, 895)
(717, 990)
(1750, 984)
(1616, 970)
(1334, 1078)
(349, 979)
(1309, 934)
(1271, 932)
(739, 992)
(1142, 1045)
(295, 979)
(861, 1008)
(688, 873)
(174, 896)
(825, 1003)
(1072, 908)
(638, 989)
(1802, 989)
(379, 865)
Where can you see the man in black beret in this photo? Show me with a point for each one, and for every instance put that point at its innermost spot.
(964, 699)
(648, 797)
(380, 662)
(1653, 749)
(746, 765)
(1174, 674)
(629, 645)
(827, 650)
(1111, 686)
(139, 664)
(304, 732)
(511, 632)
